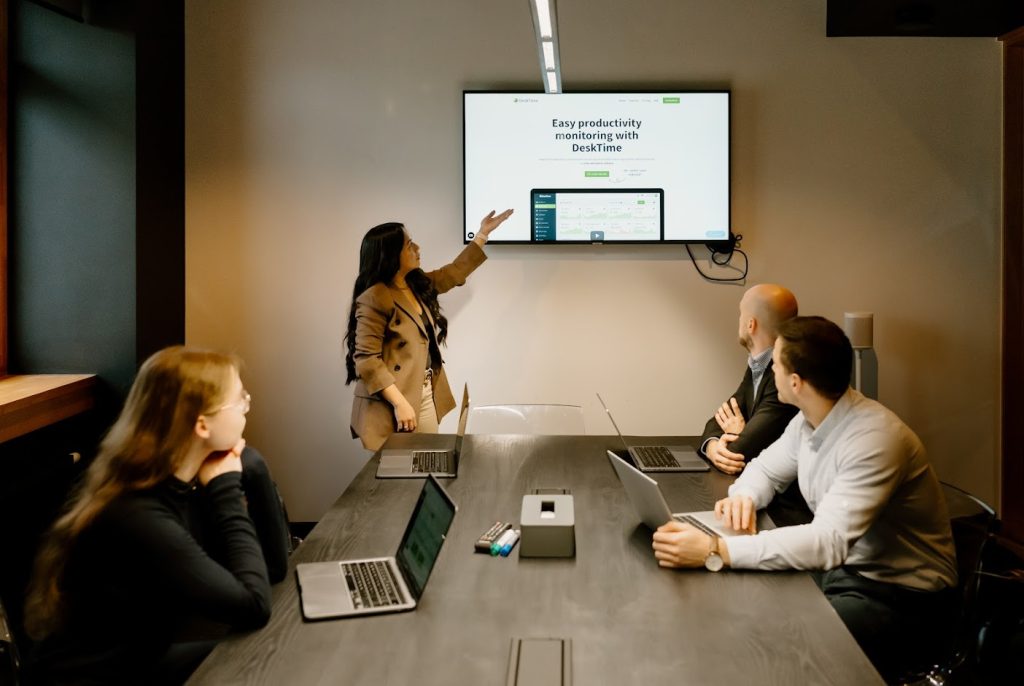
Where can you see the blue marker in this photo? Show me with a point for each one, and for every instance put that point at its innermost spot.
(507, 548)
(500, 543)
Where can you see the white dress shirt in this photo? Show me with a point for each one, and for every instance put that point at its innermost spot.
(878, 506)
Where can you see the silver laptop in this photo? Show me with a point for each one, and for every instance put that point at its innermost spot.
(650, 504)
(397, 463)
(660, 458)
(388, 584)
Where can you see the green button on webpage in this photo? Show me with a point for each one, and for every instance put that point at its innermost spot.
(670, 101)
(592, 174)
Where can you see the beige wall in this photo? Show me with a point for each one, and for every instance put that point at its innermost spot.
(865, 177)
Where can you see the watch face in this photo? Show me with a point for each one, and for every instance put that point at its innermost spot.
(713, 562)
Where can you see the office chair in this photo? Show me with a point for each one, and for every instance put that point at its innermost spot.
(536, 419)
(9, 661)
(972, 522)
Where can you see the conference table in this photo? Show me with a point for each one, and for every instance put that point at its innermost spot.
(629, 621)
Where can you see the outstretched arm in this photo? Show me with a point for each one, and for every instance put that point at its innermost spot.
(472, 256)
(488, 224)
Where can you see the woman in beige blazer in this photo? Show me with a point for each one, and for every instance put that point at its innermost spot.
(396, 329)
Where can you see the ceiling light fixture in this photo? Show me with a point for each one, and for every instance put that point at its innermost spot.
(545, 25)
(549, 55)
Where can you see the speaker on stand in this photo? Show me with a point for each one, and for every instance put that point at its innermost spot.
(859, 328)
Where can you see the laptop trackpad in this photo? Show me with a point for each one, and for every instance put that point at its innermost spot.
(397, 460)
(688, 459)
(323, 590)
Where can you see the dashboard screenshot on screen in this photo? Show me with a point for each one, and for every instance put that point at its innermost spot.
(598, 167)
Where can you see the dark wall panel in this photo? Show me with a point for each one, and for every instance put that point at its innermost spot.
(923, 17)
(160, 210)
(72, 228)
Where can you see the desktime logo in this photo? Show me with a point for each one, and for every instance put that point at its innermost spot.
(524, 99)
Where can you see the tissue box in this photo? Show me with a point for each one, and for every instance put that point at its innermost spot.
(547, 526)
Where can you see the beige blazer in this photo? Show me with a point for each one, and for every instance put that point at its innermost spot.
(392, 348)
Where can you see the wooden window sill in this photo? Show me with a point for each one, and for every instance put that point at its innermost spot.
(32, 401)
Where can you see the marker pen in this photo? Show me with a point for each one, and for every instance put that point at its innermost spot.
(507, 548)
(505, 538)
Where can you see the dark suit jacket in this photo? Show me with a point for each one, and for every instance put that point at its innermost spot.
(765, 414)
(766, 418)
(392, 348)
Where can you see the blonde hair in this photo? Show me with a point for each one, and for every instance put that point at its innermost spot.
(147, 444)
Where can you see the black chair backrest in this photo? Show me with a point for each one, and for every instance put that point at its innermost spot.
(972, 522)
(9, 662)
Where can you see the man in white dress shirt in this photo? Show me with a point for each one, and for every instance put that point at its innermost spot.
(880, 527)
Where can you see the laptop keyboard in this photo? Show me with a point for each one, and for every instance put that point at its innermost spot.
(693, 521)
(371, 584)
(654, 457)
(430, 461)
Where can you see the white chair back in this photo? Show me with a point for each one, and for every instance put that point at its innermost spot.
(536, 419)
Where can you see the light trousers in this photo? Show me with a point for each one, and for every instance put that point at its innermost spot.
(427, 421)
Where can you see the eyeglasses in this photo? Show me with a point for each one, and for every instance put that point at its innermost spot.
(243, 404)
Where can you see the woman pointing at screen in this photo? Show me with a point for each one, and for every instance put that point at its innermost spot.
(396, 329)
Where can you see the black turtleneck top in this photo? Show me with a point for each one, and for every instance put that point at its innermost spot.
(137, 576)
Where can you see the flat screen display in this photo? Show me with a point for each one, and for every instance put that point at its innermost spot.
(605, 167)
(424, 536)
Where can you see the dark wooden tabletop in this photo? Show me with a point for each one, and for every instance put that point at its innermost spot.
(630, 621)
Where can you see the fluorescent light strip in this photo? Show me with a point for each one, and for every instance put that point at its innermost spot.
(549, 55)
(545, 26)
(552, 82)
(543, 17)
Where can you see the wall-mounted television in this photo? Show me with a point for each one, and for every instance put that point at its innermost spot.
(598, 167)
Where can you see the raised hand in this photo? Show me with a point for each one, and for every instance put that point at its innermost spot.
(729, 418)
(493, 221)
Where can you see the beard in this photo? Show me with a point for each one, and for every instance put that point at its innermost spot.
(745, 341)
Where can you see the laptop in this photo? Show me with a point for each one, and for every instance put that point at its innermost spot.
(650, 504)
(659, 458)
(403, 463)
(350, 588)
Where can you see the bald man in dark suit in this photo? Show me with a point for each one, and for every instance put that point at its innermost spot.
(754, 417)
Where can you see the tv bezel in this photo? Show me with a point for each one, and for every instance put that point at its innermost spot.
(728, 240)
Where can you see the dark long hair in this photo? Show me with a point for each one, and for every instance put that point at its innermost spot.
(379, 260)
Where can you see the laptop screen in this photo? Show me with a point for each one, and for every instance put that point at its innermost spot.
(609, 412)
(424, 536)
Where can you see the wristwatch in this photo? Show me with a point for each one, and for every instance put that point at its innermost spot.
(713, 562)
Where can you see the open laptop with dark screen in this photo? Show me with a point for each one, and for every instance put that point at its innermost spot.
(396, 463)
(348, 588)
(660, 458)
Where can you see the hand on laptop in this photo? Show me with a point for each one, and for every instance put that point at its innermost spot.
(724, 459)
(738, 513)
(683, 545)
(680, 545)
(729, 418)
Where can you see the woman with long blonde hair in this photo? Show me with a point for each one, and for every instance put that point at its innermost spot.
(120, 573)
